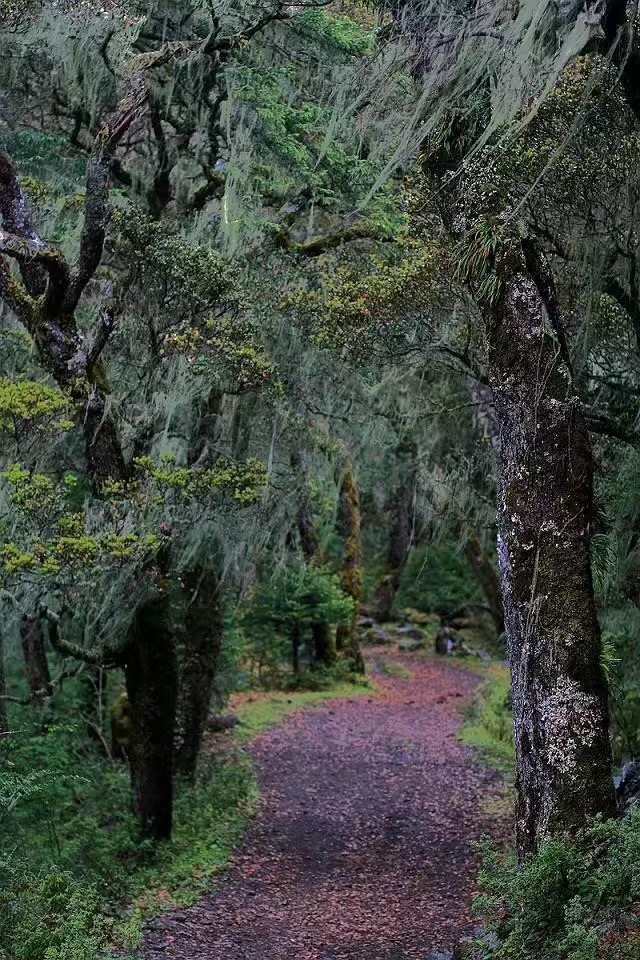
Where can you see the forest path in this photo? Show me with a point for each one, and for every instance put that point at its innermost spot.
(363, 846)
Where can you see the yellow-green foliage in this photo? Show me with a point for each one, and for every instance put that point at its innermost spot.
(27, 403)
(62, 540)
(384, 300)
(243, 482)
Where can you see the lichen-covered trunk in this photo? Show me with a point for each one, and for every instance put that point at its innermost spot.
(198, 664)
(34, 653)
(151, 678)
(486, 575)
(348, 526)
(545, 509)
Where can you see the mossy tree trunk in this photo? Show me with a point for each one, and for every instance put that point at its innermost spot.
(401, 535)
(545, 513)
(198, 663)
(488, 578)
(324, 647)
(4, 715)
(348, 527)
(150, 667)
(34, 652)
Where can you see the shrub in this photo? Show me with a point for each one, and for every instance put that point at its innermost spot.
(437, 579)
(571, 901)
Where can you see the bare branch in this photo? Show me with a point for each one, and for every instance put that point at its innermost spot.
(607, 426)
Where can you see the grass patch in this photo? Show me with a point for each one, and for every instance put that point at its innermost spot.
(259, 711)
(488, 724)
(392, 668)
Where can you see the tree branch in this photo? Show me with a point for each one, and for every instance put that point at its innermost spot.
(607, 426)
(97, 657)
(30, 253)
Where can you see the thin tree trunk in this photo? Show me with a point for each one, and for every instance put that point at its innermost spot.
(4, 716)
(295, 649)
(151, 677)
(488, 578)
(324, 648)
(545, 509)
(35, 658)
(202, 645)
(399, 546)
(348, 525)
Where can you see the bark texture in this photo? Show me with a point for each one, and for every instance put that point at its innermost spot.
(35, 658)
(348, 524)
(151, 680)
(545, 510)
(400, 540)
(198, 664)
(4, 717)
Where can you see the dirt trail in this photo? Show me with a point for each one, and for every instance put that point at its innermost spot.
(362, 850)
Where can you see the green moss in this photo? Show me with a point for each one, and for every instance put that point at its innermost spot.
(488, 725)
(392, 668)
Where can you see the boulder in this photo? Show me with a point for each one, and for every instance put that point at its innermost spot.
(627, 786)
(364, 623)
(415, 633)
(416, 616)
(447, 640)
(410, 644)
(376, 636)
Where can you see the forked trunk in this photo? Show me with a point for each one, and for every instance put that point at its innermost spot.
(545, 511)
(202, 645)
(151, 679)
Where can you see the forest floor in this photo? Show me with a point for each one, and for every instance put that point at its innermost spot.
(363, 847)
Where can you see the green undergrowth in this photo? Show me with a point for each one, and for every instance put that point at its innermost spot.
(488, 722)
(393, 668)
(74, 877)
(75, 881)
(571, 901)
(264, 710)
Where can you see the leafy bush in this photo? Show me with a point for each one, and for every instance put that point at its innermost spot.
(572, 901)
(437, 579)
(49, 915)
(294, 598)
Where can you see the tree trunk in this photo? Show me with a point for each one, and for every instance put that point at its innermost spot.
(399, 546)
(487, 577)
(348, 525)
(151, 678)
(295, 649)
(202, 645)
(4, 716)
(324, 649)
(545, 509)
(35, 658)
